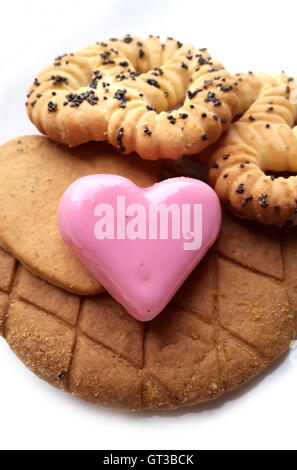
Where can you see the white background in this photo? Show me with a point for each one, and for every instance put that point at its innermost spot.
(244, 35)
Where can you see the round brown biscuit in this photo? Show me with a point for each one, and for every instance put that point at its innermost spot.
(233, 316)
(34, 173)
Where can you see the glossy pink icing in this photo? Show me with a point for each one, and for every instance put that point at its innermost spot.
(141, 274)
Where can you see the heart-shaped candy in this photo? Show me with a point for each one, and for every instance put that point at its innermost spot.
(141, 244)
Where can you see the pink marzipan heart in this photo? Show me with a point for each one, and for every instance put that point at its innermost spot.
(113, 227)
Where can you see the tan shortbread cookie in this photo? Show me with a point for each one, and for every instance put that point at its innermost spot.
(248, 167)
(235, 315)
(158, 99)
(34, 173)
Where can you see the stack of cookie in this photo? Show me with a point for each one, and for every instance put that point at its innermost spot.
(236, 312)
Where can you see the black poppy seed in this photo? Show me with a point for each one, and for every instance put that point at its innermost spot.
(65, 103)
(120, 135)
(202, 61)
(251, 118)
(140, 53)
(183, 115)
(226, 89)
(215, 165)
(51, 106)
(225, 157)
(267, 126)
(120, 95)
(179, 44)
(159, 71)
(139, 44)
(276, 206)
(92, 100)
(36, 82)
(127, 39)
(105, 54)
(58, 79)
(216, 117)
(75, 99)
(240, 189)
(204, 138)
(223, 121)
(150, 108)
(272, 177)
(271, 108)
(54, 93)
(241, 165)
(246, 199)
(93, 83)
(262, 200)
(147, 131)
(124, 63)
(192, 94)
(192, 106)
(203, 115)
(246, 162)
(225, 175)
(33, 102)
(166, 93)
(171, 119)
(59, 57)
(61, 374)
(211, 98)
(184, 66)
(39, 95)
(153, 82)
